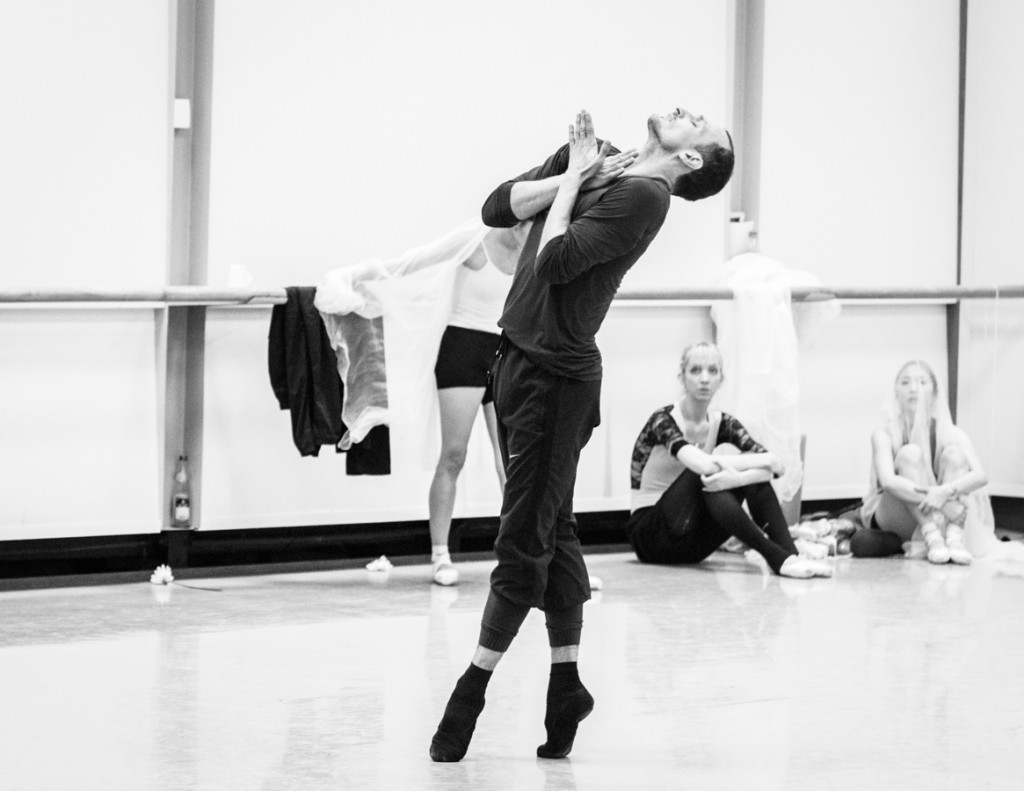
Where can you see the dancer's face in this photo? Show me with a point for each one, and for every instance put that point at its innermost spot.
(702, 373)
(679, 129)
(912, 385)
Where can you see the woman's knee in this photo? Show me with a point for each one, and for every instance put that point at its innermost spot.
(910, 459)
(953, 462)
(725, 449)
(452, 459)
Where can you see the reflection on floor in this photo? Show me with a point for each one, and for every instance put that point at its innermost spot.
(894, 674)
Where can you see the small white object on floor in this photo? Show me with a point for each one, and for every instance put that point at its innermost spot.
(811, 549)
(803, 530)
(162, 575)
(595, 583)
(733, 544)
(380, 564)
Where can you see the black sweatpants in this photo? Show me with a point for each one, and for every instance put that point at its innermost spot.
(544, 421)
(687, 524)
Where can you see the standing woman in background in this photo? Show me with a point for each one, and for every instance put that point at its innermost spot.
(925, 476)
(464, 358)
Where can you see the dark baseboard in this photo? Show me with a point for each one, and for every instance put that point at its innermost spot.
(214, 549)
(107, 559)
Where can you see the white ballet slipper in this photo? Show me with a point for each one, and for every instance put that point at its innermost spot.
(938, 552)
(797, 567)
(955, 545)
(445, 573)
(812, 550)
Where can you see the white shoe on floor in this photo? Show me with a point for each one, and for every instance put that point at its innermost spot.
(812, 550)
(938, 552)
(797, 567)
(955, 544)
(445, 573)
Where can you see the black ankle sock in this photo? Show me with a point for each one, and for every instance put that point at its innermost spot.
(451, 740)
(568, 704)
(565, 677)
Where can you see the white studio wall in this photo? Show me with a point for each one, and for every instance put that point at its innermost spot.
(84, 204)
(992, 331)
(859, 187)
(858, 183)
(373, 131)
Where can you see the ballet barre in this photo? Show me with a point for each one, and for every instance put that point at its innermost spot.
(216, 296)
(166, 295)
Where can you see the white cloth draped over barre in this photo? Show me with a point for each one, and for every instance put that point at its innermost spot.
(390, 381)
(758, 333)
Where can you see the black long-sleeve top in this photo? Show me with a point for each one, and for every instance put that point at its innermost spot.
(560, 295)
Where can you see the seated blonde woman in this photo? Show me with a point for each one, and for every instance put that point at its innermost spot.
(926, 481)
(692, 471)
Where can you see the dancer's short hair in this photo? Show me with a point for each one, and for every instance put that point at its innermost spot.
(711, 177)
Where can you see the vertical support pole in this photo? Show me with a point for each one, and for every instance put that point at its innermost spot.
(954, 313)
(185, 326)
(747, 100)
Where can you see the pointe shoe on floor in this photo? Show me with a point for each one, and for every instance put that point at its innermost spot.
(445, 574)
(938, 552)
(955, 545)
(797, 567)
(811, 550)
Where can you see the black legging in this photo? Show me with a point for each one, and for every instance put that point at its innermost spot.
(687, 524)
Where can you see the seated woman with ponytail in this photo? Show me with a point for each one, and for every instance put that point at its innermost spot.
(692, 471)
(926, 481)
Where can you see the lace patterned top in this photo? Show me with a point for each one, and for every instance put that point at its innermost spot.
(654, 464)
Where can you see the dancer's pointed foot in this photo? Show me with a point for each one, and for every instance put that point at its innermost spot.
(451, 740)
(564, 714)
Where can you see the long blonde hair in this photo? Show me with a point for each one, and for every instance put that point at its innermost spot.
(930, 427)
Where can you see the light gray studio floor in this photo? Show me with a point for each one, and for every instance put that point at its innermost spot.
(895, 674)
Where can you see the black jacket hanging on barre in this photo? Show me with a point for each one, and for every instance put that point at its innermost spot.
(304, 377)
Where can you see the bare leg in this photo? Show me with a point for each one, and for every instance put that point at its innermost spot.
(898, 515)
(458, 407)
(487, 658)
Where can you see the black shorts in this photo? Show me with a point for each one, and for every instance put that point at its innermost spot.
(465, 358)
